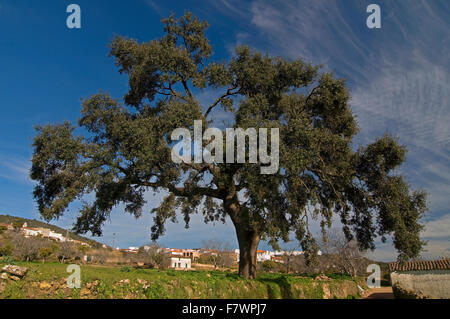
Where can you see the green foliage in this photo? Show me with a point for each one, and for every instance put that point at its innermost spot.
(48, 251)
(127, 148)
(125, 269)
(7, 260)
(17, 224)
(269, 265)
(104, 282)
(6, 248)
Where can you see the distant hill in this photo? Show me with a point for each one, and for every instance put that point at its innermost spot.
(33, 223)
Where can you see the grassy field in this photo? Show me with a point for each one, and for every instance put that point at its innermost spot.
(48, 280)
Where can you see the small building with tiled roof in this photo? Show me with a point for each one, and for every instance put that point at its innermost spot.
(421, 279)
(442, 264)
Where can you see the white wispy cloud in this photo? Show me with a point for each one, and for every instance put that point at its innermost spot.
(15, 169)
(438, 228)
(411, 101)
(399, 77)
(155, 7)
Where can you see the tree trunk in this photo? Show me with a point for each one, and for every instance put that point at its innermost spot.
(247, 235)
(248, 245)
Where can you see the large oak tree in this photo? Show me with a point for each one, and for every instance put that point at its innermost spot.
(123, 150)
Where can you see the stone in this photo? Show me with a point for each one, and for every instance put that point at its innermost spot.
(144, 283)
(45, 285)
(84, 292)
(322, 277)
(15, 278)
(123, 281)
(15, 270)
(4, 276)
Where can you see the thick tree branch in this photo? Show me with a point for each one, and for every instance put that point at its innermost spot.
(228, 93)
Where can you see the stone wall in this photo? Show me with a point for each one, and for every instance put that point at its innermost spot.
(429, 283)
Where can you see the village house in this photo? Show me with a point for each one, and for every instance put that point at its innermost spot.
(48, 233)
(44, 232)
(175, 251)
(421, 279)
(131, 249)
(29, 231)
(178, 262)
(183, 258)
(186, 253)
(263, 255)
(194, 254)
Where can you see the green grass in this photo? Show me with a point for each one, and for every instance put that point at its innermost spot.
(170, 284)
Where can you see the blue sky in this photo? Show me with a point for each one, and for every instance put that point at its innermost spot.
(399, 78)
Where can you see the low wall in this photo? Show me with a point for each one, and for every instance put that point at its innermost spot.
(430, 283)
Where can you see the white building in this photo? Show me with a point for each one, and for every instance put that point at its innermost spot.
(29, 232)
(263, 255)
(132, 249)
(47, 233)
(288, 253)
(56, 236)
(180, 263)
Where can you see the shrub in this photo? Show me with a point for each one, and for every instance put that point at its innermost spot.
(27, 249)
(6, 249)
(269, 265)
(7, 260)
(125, 269)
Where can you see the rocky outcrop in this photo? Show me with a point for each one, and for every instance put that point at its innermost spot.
(15, 271)
(11, 272)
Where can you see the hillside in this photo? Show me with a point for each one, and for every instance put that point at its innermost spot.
(7, 219)
(48, 280)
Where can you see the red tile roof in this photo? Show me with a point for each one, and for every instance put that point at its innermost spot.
(443, 264)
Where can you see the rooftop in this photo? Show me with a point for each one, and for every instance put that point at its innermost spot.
(443, 264)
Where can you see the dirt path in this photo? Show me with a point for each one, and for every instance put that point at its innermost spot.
(379, 293)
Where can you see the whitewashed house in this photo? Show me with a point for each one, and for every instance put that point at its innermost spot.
(421, 279)
(29, 232)
(263, 255)
(180, 262)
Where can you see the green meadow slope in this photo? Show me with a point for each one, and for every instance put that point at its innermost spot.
(48, 280)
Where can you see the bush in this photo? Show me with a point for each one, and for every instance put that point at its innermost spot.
(7, 260)
(269, 265)
(125, 269)
(46, 252)
(153, 256)
(66, 251)
(6, 249)
(27, 249)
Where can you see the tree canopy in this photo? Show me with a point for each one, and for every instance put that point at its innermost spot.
(121, 148)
